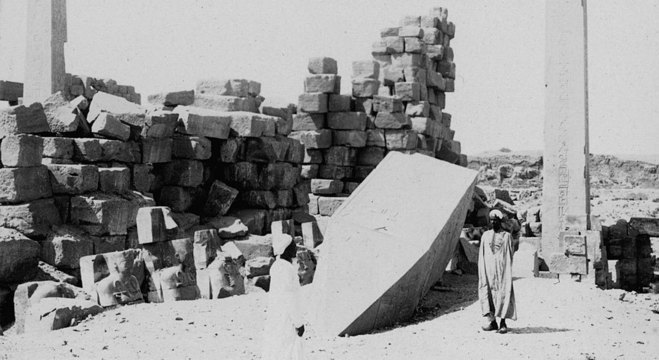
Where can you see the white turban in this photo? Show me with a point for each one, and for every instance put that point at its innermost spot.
(280, 242)
(496, 214)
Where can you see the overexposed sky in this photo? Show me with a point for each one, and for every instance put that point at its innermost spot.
(499, 52)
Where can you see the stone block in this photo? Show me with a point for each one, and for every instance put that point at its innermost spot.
(307, 121)
(23, 119)
(278, 176)
(242, 175)
(370, 156)
(375, 137)
(228, 227)
(379, 48)
(231, 150)
(156, 151)
(108, 126)
(220, 198)
(356, 139)
(173, 98)
(179, 199)
(432, 36)
(309, 171)
(364, 87)
(368, 69)
(408, 91)
(394, 44)
(154, 224)
(203, 122)
(73, 179)
(386, 120)
(19, 256)
(313, 204)
(360, 172)
(221, 103)
(346, 121)
(374, 219)
(389, 31)
(391, 104)
(122, 109)
(24, 184)
(327, 205)
(206, 243)
(313, 102)
(57, 147)
(254, 219)
(322, 65)
(418, 109)
(349, 187)
(258, 199)
(65, 246)
(401, 139)
(322, 83)
(301, 192)
(183, 172)
(645, 226)
(159, 124)
(338, 103)
(61, 115)
(425, 126)
(334, 172)
(114, 180)
(191, 147)
(100, 214)
(340, 155)
(246, 124)
(313, 156)
(266, 149)
(435, 80)
(21, 150)
(87, 150)
(560, 263)
(231, 87)
(406, 60)
(54, 313)
(295, 153)
(326, 186)
(414, 45)
(311, 234)
(314, 139)
(33, 219)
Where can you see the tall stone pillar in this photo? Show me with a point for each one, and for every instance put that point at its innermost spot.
(566, 190)
(45, 73)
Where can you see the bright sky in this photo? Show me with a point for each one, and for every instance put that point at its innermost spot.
(161, 45)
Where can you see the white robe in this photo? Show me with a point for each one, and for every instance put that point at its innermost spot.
(495, 275)
(283, 315)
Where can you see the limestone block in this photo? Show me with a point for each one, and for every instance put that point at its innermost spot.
(154, 223)
(435, 80)
(122, 109)
(307, 121)
(425, 126)
(327, 205)
(315, 139)
(54, 313)
(400, 139)
(206, 243)
(355, 139)
(326, 186)
(309, 171)
(220, 198)
(408, 91)
(449, 85)
(346, 121)
(406, 60)
(645, 226)
(417, 109)
(313, 156)
(391, 104)
(100, 214)
(228, 227)
(321, 83)
(422, 257)
(203, 122)
(23, 119)
(231, 150)
(142, 177)
(258, 266)
(337, 103)
(24, 184)
(278, 176)
(349, 187)
(19, 256)
(340, 155)
(432, 36)
(179, 199)
(87, 150)
(107, 125)
(221, 103)
(435, 52)
(156, 151)
(313, 102)
(322, 65)
(386, 120)
(33, 219)
(311, 234)
(258, 199)
(366, 69)
(264, 150)
(65, 246)
(295, 153)
(73, 179)
(375, 137)
(191, 147)
(370, 156)
(389, 31)
(254, 219)
(174, 98)
(313, 204)
(21, 150)
(363, 87)
(114, 180)
(61, 115)
(242, 175)
(365, 105)
(232, 87)
(414, 45)
(411, 31)
(334, 172)
(116, 150)
(283, 227)
(183, 172)
(561, 263)
(57, 147)
(31, 293)
(159, 124)
(394, 44)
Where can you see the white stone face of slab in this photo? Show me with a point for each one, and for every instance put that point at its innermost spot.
(566, 199)
(389, 243)
(44, 55)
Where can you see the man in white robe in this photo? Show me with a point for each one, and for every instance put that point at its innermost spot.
(495, 275)
(284, 325)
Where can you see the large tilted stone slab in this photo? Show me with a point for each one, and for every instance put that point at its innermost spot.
(410, 235)
(121, 109)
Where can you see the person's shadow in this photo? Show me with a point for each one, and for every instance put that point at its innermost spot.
(536, 330)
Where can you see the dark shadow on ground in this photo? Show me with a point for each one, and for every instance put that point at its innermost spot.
(535, 330)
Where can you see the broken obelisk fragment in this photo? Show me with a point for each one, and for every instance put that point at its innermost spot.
(411, 235)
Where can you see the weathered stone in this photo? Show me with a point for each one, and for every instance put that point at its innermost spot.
(62, 116)
(258, 199)
(411, 31)
(278, 176)
(295, 153)
(327, 205)
(366, 69)
(254, 219)
(203, 122)
(54, 313)
(114, 180)
(322, 65)
(322, 83)
(266, 149)
(334, 172)
(206, 243)
(19, 256)
(73, 179)
(24, 184)
(326, 186)
(100, 214)
(307, 121)
(340, 155)
(400, 139)
(362, 171)
(645, 226)
(391, 104)
(142, 177)
(309, 171)
(154, 224)
(174, 98)
(157, 150)
(392, 45)
(191, 147)
(159, 124)
(242, 175)
(107, 125)
(313, 156)
(228, 227)
(21, 150)
(364, 87)
(311, 234)
(370, 156)
(408, 91)
(568, 264)
(414, 45)
(313, 102)
(122, 109)
(23, 120)
(65, 246)
(346, 121)
(386, 120)
(220, 198)
(316, 139)
(421, 108)
(375, 137)
(232, 87)
(354, 139)
(220, 103)
(33, 219)
(179, 199)
(183, 172)
(87, 150)
(57, 147)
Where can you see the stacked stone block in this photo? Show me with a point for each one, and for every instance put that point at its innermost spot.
(629, 251)
(87, 86)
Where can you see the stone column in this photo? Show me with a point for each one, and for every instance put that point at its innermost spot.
(44, 57)
(566, 191)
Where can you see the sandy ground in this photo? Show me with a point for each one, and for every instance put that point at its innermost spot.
(557, 320)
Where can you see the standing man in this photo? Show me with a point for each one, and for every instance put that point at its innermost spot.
(495, 275)
(283, 325)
